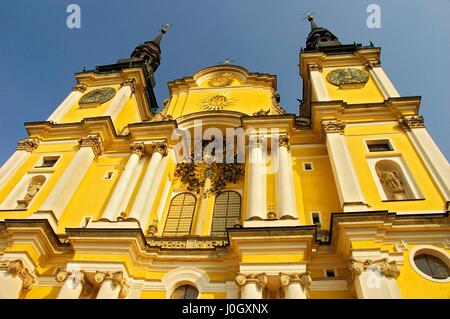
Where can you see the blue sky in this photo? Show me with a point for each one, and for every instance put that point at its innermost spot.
(39, 54)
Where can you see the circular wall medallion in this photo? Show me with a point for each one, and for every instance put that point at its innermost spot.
(101, 95)
(222, 79)
(217, 102)
(348, 78)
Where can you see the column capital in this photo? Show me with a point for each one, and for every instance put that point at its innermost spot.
(373, 64)
(137, 148)
(284, 141)
(116, 277)
(17, 268)
(131, 83)
(410, 122)
(79, 87)
(161, 148)
(259, 279)
(28, 144)
(303, 278)
(333, 126)
(78, 277)
(388, 268)
(93, 141)
(315, 67)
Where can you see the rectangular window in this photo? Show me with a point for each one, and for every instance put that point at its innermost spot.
(379, 146)
(48, 161)
(330, 273)
(315, 217)
(307, 166)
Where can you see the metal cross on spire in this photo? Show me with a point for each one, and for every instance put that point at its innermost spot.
(308, 15)
(227, 61)
(166, 27)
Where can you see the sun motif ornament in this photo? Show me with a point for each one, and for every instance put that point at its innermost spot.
(217, 102)
(222, 79)
(348, 78)
(98, 96)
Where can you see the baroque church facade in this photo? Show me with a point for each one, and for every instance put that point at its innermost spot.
(348, 198)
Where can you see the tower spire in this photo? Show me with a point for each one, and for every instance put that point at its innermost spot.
(319, 37)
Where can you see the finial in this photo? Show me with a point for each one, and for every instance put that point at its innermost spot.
(166, 27)
(227, 61)
(309, 16)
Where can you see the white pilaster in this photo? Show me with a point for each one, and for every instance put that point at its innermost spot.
(349, 189)
(318, 83)
(65, 106)
(285, 184)
(202, 210)
(113, 285)
(251, 285)
(14, 278)
(382, 80)
(24, 149)
(256, 206)
(295, 285)
(112, 210)
(120, 99)
(74, 284)
(375, 279)
(68, 183)
(138, 208)
(430, 153)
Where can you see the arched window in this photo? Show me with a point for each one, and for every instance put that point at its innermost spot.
(179, 218)
(227, 212)
(393, 180)
(185, 292)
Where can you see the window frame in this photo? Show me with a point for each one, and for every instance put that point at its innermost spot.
(429, 250)
(40, 163)
(304, 166)
(226, 217)
(381, 140)
(179, 219)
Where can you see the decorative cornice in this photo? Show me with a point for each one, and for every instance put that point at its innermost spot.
(333, 126)
(79, 87)
(79, 276)
(137, 148)
(160, 147)
(410, 122)
(373, 64)
(388, 268)
(187, 244)
(284, 141)
(92, 141)
(260, 279)
(303, 278)
(28, 144)
(131, 83)
(315, 67)
(116, 277)
(17, 268)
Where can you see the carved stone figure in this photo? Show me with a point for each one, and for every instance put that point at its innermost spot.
(392, 181)
(33, 189)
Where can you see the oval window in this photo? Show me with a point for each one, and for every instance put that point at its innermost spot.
(432, 266)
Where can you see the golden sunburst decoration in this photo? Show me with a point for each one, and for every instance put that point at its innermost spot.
(221, 79)
(217, 101)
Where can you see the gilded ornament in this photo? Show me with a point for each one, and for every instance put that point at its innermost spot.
(333, 126)
(99, 96)
(348, 78)
(388, 268)
(79, 87)
(222, 79)
(161, 148)
(411, 122)
(137, 148)
(284, 141)
(17, 269)
(259, 279)
(92, 141)
(217, 101)
(28, 144)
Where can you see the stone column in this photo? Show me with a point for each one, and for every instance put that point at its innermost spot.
(14, 279)
(349, 189)
(75, 284)
(123, 95)
(384, 84)
(256, 206)
(430, 153)
(64, 107)
(318, 83)
(113, 285)
(202, 209)
(296, 286)
(24, 149)
(90, 147)
(285, 183)
(112, 210)
(148, 181)
(251, 285)
(375, 279)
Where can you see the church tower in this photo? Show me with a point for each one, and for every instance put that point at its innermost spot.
(221, 193)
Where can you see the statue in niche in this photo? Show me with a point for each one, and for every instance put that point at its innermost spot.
(33, 188)
(392, 181)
